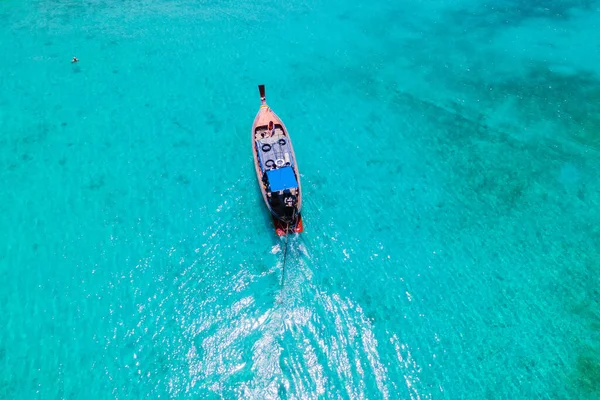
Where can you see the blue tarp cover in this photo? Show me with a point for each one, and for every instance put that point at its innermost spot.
(282, 179)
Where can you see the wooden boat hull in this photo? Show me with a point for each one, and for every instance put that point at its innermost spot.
(291, 222)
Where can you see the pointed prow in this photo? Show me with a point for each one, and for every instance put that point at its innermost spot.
(263, 99)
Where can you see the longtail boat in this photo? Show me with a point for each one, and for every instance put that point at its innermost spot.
(276, 169)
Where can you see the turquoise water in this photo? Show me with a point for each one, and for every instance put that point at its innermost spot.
(449, 155)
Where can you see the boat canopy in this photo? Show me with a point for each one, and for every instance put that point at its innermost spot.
(281, 179)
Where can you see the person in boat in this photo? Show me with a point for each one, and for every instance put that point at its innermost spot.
(74, 60)
(271, 129)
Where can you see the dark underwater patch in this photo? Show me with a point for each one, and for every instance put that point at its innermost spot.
(96, 183)
(182, 179)
(587, 372)
(500, 14)
(571, 101)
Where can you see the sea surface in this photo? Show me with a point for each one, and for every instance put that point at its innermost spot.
(450, 158)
